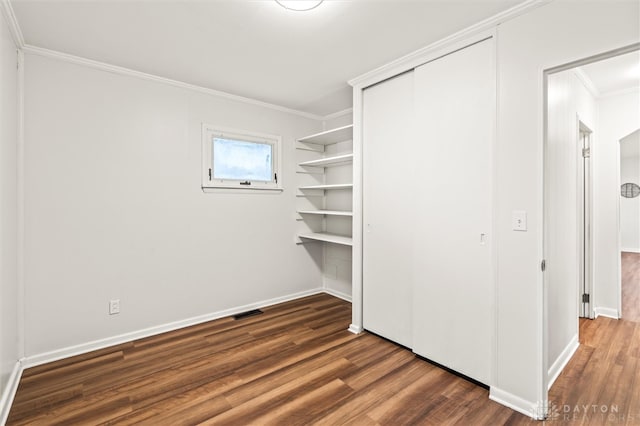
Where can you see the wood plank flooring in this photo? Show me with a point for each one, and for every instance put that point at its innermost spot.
(604, 373)
(297, 365)
(631, 286)
(601, 383)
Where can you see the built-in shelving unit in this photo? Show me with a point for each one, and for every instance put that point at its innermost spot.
(324, 205)
(325, 183)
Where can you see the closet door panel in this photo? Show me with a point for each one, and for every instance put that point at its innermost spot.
(387, 208)
(453, 284)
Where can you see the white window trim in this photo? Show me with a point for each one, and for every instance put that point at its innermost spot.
(208, 185)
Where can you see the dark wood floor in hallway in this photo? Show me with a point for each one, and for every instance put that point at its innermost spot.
(631, 286)
(601, 383)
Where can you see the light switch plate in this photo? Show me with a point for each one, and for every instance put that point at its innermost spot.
(519, 220)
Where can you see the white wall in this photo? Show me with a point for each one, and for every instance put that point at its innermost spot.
(568, 102)
(9, 348)
(630, 207)
(551, 35)
(339, 121)
(114, 209)
(617, 117)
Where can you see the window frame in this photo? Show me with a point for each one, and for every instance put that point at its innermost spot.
(209, 182)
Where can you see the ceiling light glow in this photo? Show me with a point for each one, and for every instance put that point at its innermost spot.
(299, 5)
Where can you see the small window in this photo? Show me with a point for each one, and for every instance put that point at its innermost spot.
(238, 159)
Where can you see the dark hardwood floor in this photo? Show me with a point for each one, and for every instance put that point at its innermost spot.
(296, 364)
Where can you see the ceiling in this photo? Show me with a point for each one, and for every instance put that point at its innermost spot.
(615, 74)
(250, 48)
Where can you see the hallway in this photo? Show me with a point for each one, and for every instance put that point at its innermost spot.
(631, 286)
(601, 383)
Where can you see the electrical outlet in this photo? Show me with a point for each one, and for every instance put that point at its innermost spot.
(519, 220)
(114, 306)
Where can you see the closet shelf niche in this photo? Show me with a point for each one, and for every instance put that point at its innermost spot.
(325, 183)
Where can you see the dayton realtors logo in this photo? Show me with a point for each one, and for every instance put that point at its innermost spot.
(601, 413)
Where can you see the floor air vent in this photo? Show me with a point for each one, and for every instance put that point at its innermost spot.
(247, 314)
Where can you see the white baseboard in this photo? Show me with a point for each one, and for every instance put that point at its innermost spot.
(562, 361)
(630, 250)
(355, 329)
(607, 312)
(9, 392)
(67, 352)
(12, 385)
(528, 408)
(338, 294)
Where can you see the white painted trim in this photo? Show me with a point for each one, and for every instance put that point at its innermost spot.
(20, 167)
(618, 234)
(82, 348)
(355, 329)
(338, 294)
(9, 392)
(493, 376)
(516, 403)
(607, 312)
(356, 229)
(424, 54)
(337, 114)
(12, 21)
(588, 83)
(542, 296)
(562, 361)
(630, 250)
(48, 53)
(428, 54)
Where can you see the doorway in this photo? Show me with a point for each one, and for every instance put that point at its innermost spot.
(585, 214)
(630, 226)
(581, 194)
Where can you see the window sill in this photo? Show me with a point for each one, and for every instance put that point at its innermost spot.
(237, 190)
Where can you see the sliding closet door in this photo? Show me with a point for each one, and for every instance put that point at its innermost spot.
(453, 286)
(388, 185)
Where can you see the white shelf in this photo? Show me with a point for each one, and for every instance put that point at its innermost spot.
(329, 137)
(329, 161)
(326, 212)
(329, 238)
(335, 186)
(312, 214)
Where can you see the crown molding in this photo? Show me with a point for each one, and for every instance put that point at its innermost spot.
(416, 58)
(588, 83)
(39, 51)
(16, 34)
(12, 21)
(18, 39)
